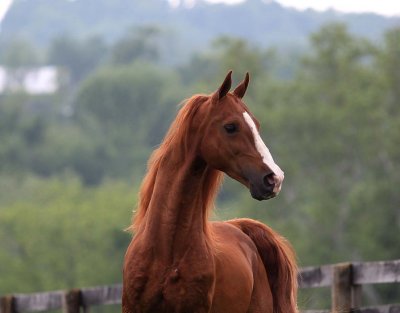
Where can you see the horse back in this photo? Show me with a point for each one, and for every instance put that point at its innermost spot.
(279, 262)
(239, 270)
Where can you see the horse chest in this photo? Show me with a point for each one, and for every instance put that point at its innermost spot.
(183, 286)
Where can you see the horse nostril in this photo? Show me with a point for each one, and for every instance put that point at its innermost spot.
(269, 179)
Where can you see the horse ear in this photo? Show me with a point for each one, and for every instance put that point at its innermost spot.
(240, 90)
(224, 88)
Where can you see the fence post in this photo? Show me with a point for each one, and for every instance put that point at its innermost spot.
(341, 288)
(7, 304)
(72, 301)
(346, 297)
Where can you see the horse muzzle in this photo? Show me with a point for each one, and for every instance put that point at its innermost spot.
(264, 187)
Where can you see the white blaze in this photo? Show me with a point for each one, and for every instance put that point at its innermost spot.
(265, 154)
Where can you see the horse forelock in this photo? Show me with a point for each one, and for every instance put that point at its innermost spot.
(178, 138)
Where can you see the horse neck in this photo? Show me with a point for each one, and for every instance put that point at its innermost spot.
(177, 213)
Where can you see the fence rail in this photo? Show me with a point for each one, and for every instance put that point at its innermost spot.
(345, 280)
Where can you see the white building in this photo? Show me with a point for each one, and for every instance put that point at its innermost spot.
(41, 80)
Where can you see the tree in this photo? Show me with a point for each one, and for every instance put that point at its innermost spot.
(139, 43)
(58, 234)
(204, 70)
(18, 56)
(130, 109)
(20, 133)
(78, 57)
(19, 53)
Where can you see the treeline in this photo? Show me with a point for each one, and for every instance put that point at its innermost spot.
(191, 24)
(71, 163)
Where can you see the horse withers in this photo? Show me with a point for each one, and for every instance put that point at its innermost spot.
(179, 261)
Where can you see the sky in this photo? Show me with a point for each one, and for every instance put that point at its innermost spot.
(386, 7)
(4, 5)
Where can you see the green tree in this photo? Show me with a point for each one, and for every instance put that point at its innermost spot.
(130, 109)
(204, 70)
(19, 53)
(57, 234)
(18, 56)
(78, 57)
(20, 133)
(139, 43)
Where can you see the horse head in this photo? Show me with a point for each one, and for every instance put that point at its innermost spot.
(231, 142)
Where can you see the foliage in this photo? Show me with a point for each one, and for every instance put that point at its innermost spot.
(19, 52)
(20, 133)
(78, 57)
(59, 234)
(263, 22)
(127, 107)
(140, 43)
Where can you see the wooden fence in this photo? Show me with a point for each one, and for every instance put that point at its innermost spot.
(345, 280)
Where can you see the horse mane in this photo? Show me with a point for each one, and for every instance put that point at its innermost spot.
(178, 138)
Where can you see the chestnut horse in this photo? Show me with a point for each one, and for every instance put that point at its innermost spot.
(180, 262)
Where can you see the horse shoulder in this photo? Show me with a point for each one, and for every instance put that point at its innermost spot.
(137, 272)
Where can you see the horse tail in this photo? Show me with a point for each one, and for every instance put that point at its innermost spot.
(279, 261)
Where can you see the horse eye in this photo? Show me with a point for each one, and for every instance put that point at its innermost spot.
(230, 128)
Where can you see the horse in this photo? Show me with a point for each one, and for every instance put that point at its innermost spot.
(178, 261)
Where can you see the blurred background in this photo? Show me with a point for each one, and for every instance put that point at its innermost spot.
(89, 87)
